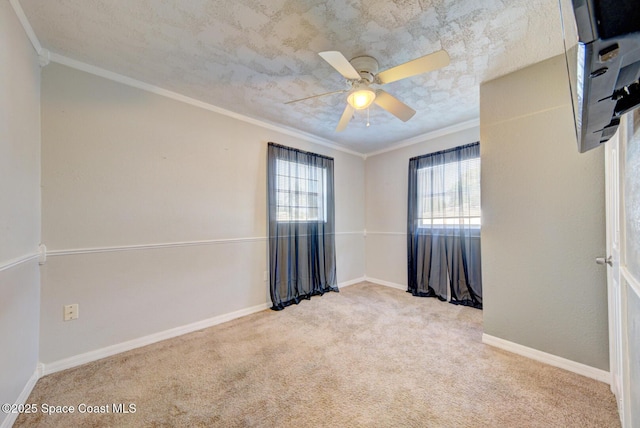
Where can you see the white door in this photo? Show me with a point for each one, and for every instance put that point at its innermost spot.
(612, 261)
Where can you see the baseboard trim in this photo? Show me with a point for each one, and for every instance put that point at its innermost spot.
(552, 360)
(386, 283)
(108, 351)
(351, 282)
(23, 397)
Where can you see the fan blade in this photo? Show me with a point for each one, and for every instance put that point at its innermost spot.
(316, 96)
(341, 64)
(394, 105)
(420, 65)
(345, 119)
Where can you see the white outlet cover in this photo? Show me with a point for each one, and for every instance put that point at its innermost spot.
(70, 312)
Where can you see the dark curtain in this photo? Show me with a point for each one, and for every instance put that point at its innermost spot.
(302, 255)
(443, 227)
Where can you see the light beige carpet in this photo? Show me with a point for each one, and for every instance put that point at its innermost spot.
(369, 356)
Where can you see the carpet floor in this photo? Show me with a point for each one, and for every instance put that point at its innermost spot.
(369, 356)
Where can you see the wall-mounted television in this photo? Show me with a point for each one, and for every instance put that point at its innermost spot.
(602, 48)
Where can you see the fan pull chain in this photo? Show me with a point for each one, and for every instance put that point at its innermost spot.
(368, 117)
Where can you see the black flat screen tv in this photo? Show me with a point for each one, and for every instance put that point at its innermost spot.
(602, 49)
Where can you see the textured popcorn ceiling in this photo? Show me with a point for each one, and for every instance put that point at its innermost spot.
(251, 56)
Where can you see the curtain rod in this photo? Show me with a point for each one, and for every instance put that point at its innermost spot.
(442, 152)
(280, 146)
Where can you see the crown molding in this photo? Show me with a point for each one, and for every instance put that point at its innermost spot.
(125, 80)
(45, 56)
(26, 26)
(473, 123)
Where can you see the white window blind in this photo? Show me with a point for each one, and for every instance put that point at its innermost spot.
(449, 194)
(300, 192)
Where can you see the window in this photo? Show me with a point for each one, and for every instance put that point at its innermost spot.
(300, 192)
(443, 225)
(449, 194)
(301, 215)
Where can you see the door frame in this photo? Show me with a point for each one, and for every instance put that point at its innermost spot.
(622, 286)
(614, 198)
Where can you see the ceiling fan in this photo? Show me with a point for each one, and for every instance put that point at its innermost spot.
(362, 72)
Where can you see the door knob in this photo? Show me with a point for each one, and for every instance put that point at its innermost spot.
(602, 261)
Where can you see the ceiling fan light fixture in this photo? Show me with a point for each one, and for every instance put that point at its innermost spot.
(361, 98)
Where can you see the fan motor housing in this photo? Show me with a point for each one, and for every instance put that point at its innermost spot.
(366, 66)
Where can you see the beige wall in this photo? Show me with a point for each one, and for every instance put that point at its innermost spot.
(19, 207)
(386, 206)
(543, 219)
(125, 167)
(20, 139)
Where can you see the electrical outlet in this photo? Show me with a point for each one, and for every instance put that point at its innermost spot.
(71, 312)
(265, 275)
